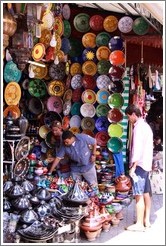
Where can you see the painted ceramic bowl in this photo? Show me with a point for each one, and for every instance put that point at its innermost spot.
(115, 145)
(115, 130)
(115, 115)
(115, 100)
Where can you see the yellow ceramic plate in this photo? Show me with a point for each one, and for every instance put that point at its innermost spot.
(88, 96)
(75, 68)
(43, 130)
(45, 37)
(38, 51)
(15, 111)
(103, 53)
(89, 68)
(89, 40)
(110, 23)
(58, 26)
(48, 21)
(40, 72)
(12, 93)
(56, 88)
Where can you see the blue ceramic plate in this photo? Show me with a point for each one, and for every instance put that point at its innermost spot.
(102, 123)
(102, 96)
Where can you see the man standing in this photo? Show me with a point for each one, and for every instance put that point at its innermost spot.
(141, 157)
(81, 149)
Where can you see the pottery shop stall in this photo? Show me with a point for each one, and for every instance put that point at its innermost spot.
(74, 65)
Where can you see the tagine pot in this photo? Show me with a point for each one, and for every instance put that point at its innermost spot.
(123, 183)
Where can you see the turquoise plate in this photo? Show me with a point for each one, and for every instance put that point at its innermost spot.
(11, 72)
(115, 145)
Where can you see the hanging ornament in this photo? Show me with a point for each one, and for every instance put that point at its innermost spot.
(53, 41)
(31, 73)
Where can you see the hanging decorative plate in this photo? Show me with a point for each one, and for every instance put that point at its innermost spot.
(67, 95)
(88, 123)
(43, 130)
(40, 72)
(117, 58)
(116, 43)
(103, 67)
(66, 12)
(56, 88)
(58, 26)
(102, 138)
(66, 107)
(21, 167)
(75, 109)
(88, 82)
(125, 24)
(51, 140)
(61, 55)
(115, 145)
(75, 68)
(11, 72)
(89, 54)
(89, 132)
(76, 96)
(102, 123)
(22, 148)
(115, 115)
(140, 26)
(12, 93)
(76, 81)
(88, 96)
(47, 21)
(96, 23)
(38, 51)
(87, 110)
(37, 88)
(89, 40)
(102, 39)
(116, 72)
(115, 130)
(102, 96)
(66, 122)
(15, 111)
(50, 117)
(103, 82)
(89, 68)
(81, 22)
(116, 86)
(115, 100)
(102, 110)
(67, 28)
(55, 103)
(75, 121)
(74, 130)
(110, 23)
(57, 72)
(35, 106)
(45, 37)
(103, 53)
(76, 47)
(58, 42)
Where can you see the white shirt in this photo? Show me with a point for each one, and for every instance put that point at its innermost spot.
(142, 145)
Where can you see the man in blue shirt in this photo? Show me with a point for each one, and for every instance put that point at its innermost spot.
(81, 149)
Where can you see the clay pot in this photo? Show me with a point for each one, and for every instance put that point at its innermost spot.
(123, 183)
(115, 221)
(91, 235)
(106, 226)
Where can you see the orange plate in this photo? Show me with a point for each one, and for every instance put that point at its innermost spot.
(103, 53)
(12, 93)
(89, 40)
(89, 68)
(110, 23)
(15, 111)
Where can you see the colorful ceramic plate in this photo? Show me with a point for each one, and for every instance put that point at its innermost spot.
(48, 21)
(103, 67)
(116, 86)
(15, 111)
(76, 81)
(22, 148)
(38, 51)
(21, 167)
(88, 123)
(40, 72)
(67, 95)
(43, 130)
(125, 24)
(102, 123)
(117, 58)
(56, 88)
(102, 138)
(35, 106)
(58, 26)
(12, 93)
(89, 54)
(102, 39)
(75, 121)
(55, 103)
(11, 72)
(115, 115)
(87, 110)
(103, 53)
(103, 82)
(75, 109)
(88, 96)
(67, 28)
(75, 68)
(37, 88)
(102, 110)
(115, 130)
(66, 12)
(89, 68)
(115, 145)
(57, 72)
(89, 82)
(81, 22)
(102, 96)
(51, 116)
(115, 100)
(116, 72)
(89, 40)
(45, 37)
(140, 26)
(96, 23)
(110, 23)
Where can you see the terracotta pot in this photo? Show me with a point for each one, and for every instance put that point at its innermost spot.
(91, 235)
(106, 226)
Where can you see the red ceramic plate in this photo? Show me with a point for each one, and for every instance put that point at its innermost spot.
(96, 23)
(102, 138)
(89, 82)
